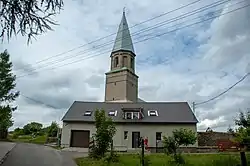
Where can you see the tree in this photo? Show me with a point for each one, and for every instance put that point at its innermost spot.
(105, 130)
(52, 129)
(7, 95)
(230, 130)
(209, 129)
(179, 138)
(32, 128)
(29, 18)
(17, 132)
(243, 132)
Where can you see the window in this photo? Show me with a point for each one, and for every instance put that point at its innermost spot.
(132, 63)
(128, 115)
(132, 115)
(116, 62)
(87, 113)
(112, 113)
(158, 136)
(125, 134)
(124, 61)
(152, 113)
(135, 115)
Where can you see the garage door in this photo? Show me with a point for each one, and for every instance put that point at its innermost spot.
(80, 138)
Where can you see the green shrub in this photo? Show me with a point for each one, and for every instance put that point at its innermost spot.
(15, 136)
(51, 139)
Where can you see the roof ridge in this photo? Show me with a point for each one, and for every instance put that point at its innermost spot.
(150, 102)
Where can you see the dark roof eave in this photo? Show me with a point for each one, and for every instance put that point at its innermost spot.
(136, 122)
(122, 50)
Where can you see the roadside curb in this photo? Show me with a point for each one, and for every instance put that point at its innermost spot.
(6, 155)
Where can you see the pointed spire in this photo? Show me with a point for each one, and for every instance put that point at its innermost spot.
(123, 39)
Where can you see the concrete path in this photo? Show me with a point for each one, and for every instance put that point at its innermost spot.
(5, 148)
(38, 155)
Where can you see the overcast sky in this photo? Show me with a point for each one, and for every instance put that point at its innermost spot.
(192, 64)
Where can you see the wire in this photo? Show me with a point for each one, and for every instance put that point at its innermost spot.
(163, 14)
(139, 32)
(142, 40)
(231, 87)
(40, 102)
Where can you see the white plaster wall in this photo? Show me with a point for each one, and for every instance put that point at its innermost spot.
(148, 130)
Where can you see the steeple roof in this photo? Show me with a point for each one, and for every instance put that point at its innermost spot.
(123, 39)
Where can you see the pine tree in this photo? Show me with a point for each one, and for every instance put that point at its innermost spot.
(7, 96)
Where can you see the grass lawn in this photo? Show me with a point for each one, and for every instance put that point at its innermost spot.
(29, 139)
(163, 160)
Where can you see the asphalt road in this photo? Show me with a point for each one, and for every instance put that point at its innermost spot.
(37, 155)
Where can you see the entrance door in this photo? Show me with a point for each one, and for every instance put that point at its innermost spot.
(135, 139)
(80, 138)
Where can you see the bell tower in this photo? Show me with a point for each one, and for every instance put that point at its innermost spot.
(121, 80)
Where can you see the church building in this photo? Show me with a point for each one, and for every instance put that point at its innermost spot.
(133, 117)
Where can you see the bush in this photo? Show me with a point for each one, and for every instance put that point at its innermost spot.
(51, 139)
(172, 143)
(105, 130)
(15, 136)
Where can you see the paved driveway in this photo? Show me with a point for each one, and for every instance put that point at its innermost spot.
(37, 155)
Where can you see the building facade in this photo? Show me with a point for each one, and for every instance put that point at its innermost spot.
(133, 117)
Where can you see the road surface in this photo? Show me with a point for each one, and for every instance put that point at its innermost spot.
(36, 155)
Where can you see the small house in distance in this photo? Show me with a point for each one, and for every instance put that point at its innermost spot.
(134, 118)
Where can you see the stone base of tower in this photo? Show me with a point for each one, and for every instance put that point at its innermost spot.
(121, 86)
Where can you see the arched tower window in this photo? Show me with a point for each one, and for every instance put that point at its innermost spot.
(116, 62)
(132, 63)
(124, 61)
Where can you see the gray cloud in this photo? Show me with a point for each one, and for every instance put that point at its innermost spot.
(219, 60)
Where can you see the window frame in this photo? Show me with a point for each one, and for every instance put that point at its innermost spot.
(126, 115)
(114, 111)
(116, 61)
(150, 113)
(157, 136)
(87, 113)
(137, 115)
(125, 135)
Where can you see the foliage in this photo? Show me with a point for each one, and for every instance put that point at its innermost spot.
(230, 130)
(180, 137)
(52, 129)
(105, 130)
(160, 160)
(209, 129)
(29, 18)
(17, 132)
(30, 139)
(146, 160)
(7, 85)
(32, 128)
(242, 134)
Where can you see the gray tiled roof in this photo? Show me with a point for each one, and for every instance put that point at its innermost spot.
(169, 112)
(123, 39)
